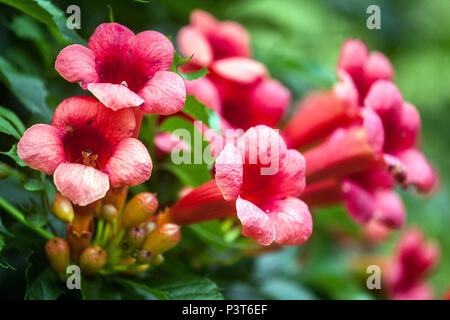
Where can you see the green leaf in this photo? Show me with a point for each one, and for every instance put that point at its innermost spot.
(194, 171)
(12, 153)
(192, 175)
(42, 282)
(178, 61)
(2, 243)
(98, 288)
(194, 75)
(13, 118)
(28, 89)
(47, 13)
(200, 111)
(7, 127)
(210, 232)
(188, 288)
(141, 289)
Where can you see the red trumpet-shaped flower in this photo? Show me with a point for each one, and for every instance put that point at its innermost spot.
(88, 148)
(248, 97)
(122, 69)
(348, 150)
(208, 40)
(413, 260)
(258, 179)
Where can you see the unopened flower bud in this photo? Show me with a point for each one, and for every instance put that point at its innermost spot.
(143, 257)
(58, 253)
(62, 208)
(149, 227)
(135, 237)
(162, 239)
(158, 259)
(139, 208)
(92, 259)
(108, 212)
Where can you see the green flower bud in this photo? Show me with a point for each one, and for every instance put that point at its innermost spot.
(158, 259)
(139, 209)
(108, 213)
(62, 208)
(92, 259)
(162, 239)
(135, 237)
(143, 257)
(58, 253)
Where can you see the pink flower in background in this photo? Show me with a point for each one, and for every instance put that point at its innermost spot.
(412, 262)
(88, 148)
(258, 179)
(123, 70)
(247, 95)
(208, 40)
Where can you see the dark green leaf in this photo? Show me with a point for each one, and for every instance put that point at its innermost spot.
(211, 233)
(42, 282)
(28, 89)
(47, 13)
(7, 127)
(188, 288)
(12, 153)
(98, 288)
(11, 116)
(141, 290)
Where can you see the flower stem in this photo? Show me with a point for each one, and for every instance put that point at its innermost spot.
(98, 235)
(19, 216)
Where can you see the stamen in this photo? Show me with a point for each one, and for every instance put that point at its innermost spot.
(124, 83)
(90, 159)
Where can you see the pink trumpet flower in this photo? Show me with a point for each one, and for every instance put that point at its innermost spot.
(258, 179)
(208, 40)
(88, 148)
(248, 96)
(123, 70)
(412, 262)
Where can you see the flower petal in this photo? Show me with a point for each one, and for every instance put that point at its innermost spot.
(229, 172)
(402, 134)
(291, 179)
(164, 94)
(358, 201)
(418, 170)
(81, 112)
(130, 164)
(377, 67)
(385, 99)
(255, 223)
(389, 209)
(80, 184)
(151, 51)
(191, 42)
(115, 96)
(269, 101)
(229, 39)
(41, 148)
(292, 221)
(244, 71)
(204, 91)
(110, 44)
(76, 63)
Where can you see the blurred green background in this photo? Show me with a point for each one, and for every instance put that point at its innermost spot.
(299, 41)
